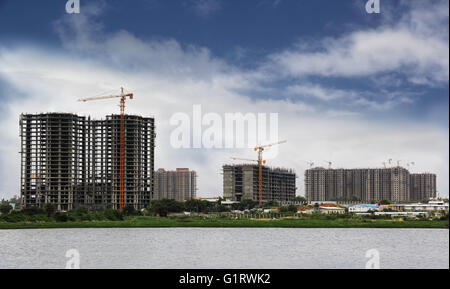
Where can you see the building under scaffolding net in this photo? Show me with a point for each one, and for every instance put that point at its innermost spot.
(73, 161)
(240, 182)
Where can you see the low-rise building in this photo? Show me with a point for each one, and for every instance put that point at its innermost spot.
(363, 208)
(431, 206)
(331, 210)
(227, 203)
(396, 214)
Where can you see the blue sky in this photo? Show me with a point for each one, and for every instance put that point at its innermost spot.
(243, 33)
(257, 25)
(322, 65)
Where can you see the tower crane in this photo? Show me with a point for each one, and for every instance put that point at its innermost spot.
(250, 160)
(260, 149)
(409, 164)
(260, 162)
(123, 96)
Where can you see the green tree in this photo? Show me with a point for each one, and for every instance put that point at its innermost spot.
(113, 215)
(5, 208)
(199, 206)
(288, 209)
(300, 199)
(165, 206)
(50, 209)
(273, 203)
(245, 205)
(30, 211)
(129, 211)
(292, 208)
(82, 210)
(61, 217)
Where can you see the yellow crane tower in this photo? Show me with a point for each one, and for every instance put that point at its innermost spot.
(122, 97)
(260, 162)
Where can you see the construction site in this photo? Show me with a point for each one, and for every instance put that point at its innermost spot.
(241, 182)
(258, 182)
(371, 184)
(179, 185)
(72, 161)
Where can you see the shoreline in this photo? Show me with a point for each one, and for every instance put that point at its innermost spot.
(230, 223)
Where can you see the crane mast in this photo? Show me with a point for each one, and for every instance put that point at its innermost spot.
(122, 97)
(260, 162)
(260, 150)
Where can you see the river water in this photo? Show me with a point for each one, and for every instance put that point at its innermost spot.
(226, 248)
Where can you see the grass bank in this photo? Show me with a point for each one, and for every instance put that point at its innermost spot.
(156, 222)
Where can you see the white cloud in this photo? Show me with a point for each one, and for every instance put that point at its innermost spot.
(168, 77)
(380, 101)
(206, 8)
(54, 82)
(317, 91)
(416, 47)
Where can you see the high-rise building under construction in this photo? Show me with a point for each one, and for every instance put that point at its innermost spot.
(73, 161)
(179, 185)
(241, 182)
(423, 186)
(393, 184)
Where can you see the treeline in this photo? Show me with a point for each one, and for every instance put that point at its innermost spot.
(160, 208)
(50, 214)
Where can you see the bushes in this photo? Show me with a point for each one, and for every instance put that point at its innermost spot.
(5, 208)
(288, 209)
(113, 215)
(270, 204)
(245, 205)
(39, 218)
(130, 211)
(30, 211)
(203, 206)
(61, 217)
(13, 218)
(50, 209)
(35, 214)
(81, 211)
(165, 206)
(199, 206)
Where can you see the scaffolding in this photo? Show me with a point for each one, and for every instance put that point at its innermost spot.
(369, 184)
(180, 185)
(241, 182)
(73, 161)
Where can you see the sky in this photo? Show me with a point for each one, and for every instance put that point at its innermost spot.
(349, 87)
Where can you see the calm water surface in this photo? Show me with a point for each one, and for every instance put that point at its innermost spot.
(224, 248)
